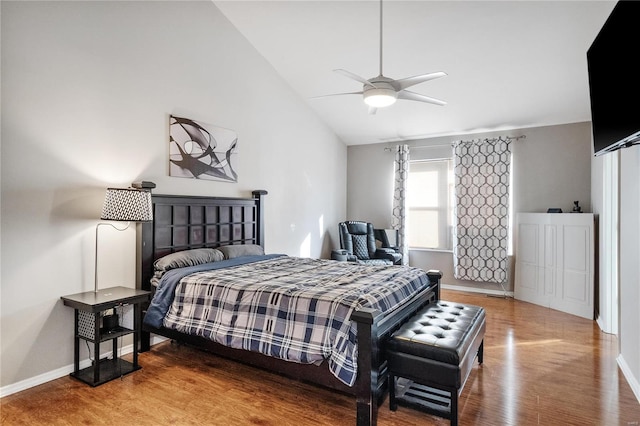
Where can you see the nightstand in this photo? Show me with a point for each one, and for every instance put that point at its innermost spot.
(92, 326)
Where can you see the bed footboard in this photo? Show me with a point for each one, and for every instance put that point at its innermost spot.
(373, 331)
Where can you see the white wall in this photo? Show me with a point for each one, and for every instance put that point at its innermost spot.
(551, 168)
(87, 88)
(629, 287)
(629, 257)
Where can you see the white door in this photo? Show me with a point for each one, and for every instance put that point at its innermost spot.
(607, 315)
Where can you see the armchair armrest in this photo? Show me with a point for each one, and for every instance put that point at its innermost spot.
(384, 253)
(385, 250)
(388, 253)
(343, 255)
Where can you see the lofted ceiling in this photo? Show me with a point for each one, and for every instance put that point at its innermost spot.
(510, 64)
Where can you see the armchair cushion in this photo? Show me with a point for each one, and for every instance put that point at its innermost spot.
(360, 248)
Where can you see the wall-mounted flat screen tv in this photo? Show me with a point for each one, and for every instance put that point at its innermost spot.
(614, 80)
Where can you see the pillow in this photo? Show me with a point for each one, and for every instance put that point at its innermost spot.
(241, 250)
(181, 259)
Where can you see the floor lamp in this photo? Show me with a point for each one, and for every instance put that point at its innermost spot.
(124, 205)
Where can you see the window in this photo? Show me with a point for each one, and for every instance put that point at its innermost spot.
(430, 204)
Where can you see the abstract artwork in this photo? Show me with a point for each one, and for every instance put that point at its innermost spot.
(201, 151)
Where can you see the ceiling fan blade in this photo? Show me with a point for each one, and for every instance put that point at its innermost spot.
(403, 83)
(412, 96)
(354, 77)
(336, 94)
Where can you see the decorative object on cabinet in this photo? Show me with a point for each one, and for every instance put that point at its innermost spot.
(201, 151)
(91, 325)
(124, 205)
(555, 261)
(576, 207)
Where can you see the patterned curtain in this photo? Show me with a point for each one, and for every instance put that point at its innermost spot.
(399, 220)
(481, 232)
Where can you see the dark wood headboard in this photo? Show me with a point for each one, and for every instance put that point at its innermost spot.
(186, 222)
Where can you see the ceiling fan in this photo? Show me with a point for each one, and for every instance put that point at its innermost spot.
(381, 91)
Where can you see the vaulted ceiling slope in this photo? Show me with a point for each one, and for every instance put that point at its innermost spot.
(510, 64)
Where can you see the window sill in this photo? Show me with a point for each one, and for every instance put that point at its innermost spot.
(435, 250)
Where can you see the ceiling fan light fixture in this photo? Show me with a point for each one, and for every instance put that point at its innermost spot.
(381, 91)
(380, 98)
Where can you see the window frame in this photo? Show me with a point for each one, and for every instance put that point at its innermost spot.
(444, 206)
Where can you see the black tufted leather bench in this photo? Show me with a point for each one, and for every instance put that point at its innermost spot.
(430, 357)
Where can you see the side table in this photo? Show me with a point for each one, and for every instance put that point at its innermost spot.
(90, 325)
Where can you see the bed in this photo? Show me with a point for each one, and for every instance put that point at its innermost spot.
(187, 224)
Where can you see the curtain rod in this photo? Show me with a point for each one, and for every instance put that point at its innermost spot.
(389, 149)
(509, 138)
(429, 146)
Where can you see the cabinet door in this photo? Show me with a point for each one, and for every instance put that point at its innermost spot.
(529, 270)
(554, 261)
(575, 292)
(550, 263)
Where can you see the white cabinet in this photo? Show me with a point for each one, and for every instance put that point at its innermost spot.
(555, 261)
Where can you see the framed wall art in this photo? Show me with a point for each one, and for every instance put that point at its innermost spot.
(201, 151)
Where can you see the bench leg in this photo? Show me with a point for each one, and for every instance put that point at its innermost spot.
(393, 405)
(481, 352)
(454, 407)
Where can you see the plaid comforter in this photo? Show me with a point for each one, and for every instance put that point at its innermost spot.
(296, 309)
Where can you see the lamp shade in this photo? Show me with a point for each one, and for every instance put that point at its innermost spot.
(127, 204)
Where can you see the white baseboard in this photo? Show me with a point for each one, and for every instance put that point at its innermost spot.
(633, 381)
(605, 325)
(64, 371)
(477, 290)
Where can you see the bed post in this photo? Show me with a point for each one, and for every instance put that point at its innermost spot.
(144, 238)
(368, 364)
(144, 256)
(434, 279)
(258, 195)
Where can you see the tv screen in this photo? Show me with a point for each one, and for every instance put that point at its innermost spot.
(614, 80)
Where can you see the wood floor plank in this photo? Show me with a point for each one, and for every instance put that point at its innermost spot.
(541, 367)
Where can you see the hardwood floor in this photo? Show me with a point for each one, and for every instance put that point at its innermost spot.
(540, 367)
